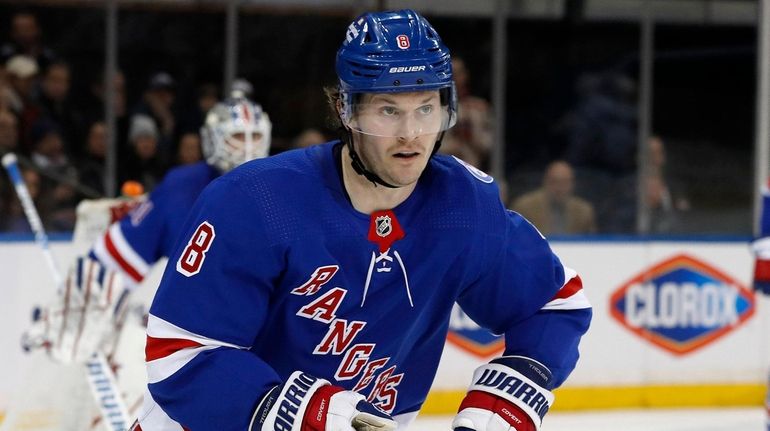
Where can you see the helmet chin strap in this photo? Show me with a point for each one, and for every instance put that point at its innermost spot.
(358, 164)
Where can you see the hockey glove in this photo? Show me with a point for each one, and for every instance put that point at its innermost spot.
(307, 403)
(83, 318)
(510, 393)
(761, 248)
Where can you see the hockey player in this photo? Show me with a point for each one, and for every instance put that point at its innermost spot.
(761, 249)
(84, 319)
(313, 290)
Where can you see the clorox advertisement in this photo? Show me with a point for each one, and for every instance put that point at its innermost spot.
(681, 304)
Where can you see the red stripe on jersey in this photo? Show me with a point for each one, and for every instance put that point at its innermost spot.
(572, 287)
(127, 268)
(161, 347)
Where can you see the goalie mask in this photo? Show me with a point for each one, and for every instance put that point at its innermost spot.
(393, 52)
(235, 131)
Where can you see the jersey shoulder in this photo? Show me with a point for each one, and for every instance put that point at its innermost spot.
(183, 184)
(288, 192)
(473, 194)
(294, 170)
(183, 176)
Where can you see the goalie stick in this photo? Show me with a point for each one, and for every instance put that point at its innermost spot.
(100, 376)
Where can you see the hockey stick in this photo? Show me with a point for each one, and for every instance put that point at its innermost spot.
(100, 377)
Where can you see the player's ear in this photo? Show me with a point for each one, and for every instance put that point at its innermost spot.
(338, 106)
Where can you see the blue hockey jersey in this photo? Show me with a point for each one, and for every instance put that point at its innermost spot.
(134, 243)
(275, 272)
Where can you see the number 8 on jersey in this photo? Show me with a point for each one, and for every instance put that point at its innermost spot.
(194, 253)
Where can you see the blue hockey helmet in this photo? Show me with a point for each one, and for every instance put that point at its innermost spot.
(396, 51)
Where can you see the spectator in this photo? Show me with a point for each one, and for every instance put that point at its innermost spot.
(307, 138)
(21, 72)
(54, 102)
(601, 136)
(6, 93)
(26, 39)
(157, 104)
(471, 138)
(189, 150)
(553, 208)
(13, 218)
(58, 194)
(92, 107)
(192, 119)
(663, 218)
(9, 131)
(658, 160)
(91, 166)
(664, 204)
(144, 163)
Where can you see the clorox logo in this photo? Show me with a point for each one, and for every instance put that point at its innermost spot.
(469, 336)
(682, 304)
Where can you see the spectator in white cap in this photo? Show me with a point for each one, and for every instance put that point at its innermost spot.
(158, 104)
(145, 163)
(21, 71)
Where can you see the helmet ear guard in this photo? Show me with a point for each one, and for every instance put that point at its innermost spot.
(235, 131)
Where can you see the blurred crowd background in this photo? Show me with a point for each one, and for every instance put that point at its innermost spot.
(571, 120)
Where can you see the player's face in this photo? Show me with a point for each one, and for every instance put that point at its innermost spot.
(400, 132)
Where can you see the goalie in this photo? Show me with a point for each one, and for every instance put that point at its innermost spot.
(88, 314)
(312, 290)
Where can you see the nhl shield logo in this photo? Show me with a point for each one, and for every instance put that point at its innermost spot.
(681, 304)
(383, 226)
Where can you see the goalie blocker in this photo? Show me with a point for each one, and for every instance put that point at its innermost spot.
(511, 393)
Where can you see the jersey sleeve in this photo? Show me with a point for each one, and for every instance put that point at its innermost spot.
(209, 308)
(525, 293)
(761, 245)
(133, 244)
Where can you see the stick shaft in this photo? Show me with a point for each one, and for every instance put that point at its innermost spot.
(12, 166)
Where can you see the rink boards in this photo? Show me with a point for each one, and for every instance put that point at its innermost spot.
(675, 324)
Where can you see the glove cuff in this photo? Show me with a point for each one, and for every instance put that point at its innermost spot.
(520, 381)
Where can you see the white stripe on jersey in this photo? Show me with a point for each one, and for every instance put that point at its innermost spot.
(153, 418)
(161, 368)
(576, 301)
(127, 251)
